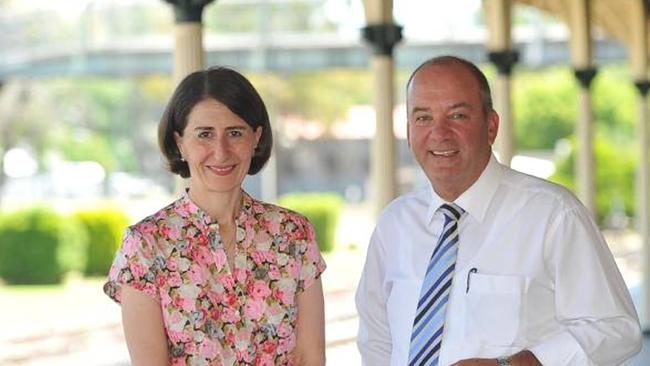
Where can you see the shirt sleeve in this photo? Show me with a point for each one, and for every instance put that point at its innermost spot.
(136, 264)
(312, 263)
(601, 326)
(373, 339)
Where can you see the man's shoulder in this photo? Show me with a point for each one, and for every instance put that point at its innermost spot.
(518, 183)
(415, 200)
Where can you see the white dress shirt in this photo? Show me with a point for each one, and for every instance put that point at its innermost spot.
(533, 272)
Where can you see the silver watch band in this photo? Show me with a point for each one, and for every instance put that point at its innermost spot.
(503, 361)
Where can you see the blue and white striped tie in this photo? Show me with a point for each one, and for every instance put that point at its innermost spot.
(429, 322)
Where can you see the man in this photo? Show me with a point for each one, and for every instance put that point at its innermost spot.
(486, 266)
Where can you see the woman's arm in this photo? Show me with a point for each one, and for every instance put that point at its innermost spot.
(310, 330)
(143, 328)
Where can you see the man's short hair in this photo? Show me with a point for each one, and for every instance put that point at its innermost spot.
(484, 86)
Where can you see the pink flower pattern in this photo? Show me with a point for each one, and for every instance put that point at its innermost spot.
(214, 314)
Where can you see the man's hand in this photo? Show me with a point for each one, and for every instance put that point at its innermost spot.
(523, 358)
(477, 362)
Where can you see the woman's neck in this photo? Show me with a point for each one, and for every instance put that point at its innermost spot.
(221, 207)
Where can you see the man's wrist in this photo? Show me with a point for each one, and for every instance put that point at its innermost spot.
(524, 358)
(503, 361)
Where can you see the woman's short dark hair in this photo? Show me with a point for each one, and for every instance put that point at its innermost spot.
(228, 87)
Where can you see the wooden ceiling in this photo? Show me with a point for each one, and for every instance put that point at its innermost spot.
(611, 17)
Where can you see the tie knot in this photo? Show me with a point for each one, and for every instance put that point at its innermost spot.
(451, 210)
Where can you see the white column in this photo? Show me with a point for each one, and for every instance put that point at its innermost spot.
(382, 35)
(638, 53)
(498, 20)
(643, 199)
(383, 167)
(579, 16)
(188, 49)
(585, 154)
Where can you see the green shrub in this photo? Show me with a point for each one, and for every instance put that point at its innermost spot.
(615, 170)
(39, 246)
(322, 209)
(104, 228)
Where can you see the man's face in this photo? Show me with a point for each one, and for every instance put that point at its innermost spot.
(448, 131)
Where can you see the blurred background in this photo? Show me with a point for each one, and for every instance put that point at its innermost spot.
(83, 84)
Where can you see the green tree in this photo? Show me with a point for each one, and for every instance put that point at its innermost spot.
(544, 107)
(615, 169)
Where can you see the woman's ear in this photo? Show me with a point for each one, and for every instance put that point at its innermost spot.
(179, 141)
(258, 134)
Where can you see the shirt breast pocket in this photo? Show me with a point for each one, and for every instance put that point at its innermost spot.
(495, 308)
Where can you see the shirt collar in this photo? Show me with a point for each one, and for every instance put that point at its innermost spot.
(200, 217)
(476, 199)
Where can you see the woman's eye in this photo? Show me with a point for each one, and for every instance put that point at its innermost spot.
(205, 134)
(236, 133)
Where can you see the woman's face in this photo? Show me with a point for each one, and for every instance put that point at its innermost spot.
(218, 146)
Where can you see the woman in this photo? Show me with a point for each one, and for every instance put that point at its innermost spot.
(218, 277)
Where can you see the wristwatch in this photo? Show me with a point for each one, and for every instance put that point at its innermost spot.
(503, 361)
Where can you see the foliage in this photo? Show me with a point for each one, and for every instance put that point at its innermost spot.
(266, 18)
(39, 246)
(614, 104)
(322, 209)
(323, 96)
(615, 175)
(544, 108)
(104, 227)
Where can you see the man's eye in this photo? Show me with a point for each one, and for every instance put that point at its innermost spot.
(458, 116)
(423, 119)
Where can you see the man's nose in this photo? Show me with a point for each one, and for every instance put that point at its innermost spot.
(439, 128)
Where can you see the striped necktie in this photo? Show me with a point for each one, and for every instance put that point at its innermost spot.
(426, 336)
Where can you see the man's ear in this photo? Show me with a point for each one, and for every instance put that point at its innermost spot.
(492, 126)
(408, 132)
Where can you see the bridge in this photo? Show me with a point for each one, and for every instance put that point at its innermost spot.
(275, 52)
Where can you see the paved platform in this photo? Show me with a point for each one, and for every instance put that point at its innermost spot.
(77, 325)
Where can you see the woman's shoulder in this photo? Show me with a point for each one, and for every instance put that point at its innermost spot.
(158, 220)
(273, 212)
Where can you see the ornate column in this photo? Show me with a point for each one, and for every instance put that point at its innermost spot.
(504, 60)
(580, 41)
(382, 35)
(585, 161)
(188, 45)
(498, 19)
(638, 53)
(188, 36)
(642, 196)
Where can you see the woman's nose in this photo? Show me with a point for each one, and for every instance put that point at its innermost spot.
(221, 145)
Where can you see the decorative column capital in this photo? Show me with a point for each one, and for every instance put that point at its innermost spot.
(504, 60)
(382, 37)
(642, 86)
(585, 76)
(188, 10)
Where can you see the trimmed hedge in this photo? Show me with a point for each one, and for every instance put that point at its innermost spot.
(322, 209)
(104, 228)
(39, 246)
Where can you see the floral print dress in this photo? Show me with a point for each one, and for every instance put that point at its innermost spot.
(214, 314)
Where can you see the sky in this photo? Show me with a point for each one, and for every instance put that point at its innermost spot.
(419, 17)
